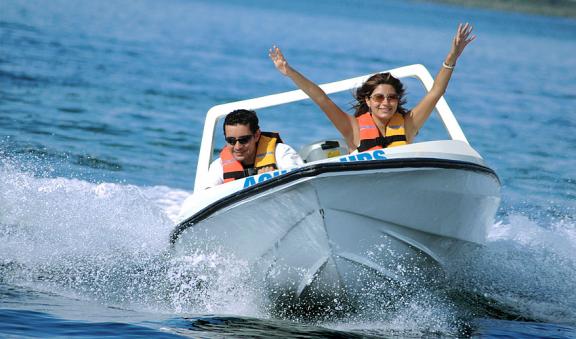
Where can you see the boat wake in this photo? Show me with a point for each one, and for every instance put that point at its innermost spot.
(526, 271)
(109, 243)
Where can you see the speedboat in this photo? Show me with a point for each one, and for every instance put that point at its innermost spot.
(345, 227)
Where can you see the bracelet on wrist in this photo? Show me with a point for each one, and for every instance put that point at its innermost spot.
(445, 65)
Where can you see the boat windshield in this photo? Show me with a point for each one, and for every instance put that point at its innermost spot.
(272, 105)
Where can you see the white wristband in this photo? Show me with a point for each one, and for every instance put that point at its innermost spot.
(445, 65)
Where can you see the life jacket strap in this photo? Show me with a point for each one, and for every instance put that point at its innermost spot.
(240, 174)
(384, 142)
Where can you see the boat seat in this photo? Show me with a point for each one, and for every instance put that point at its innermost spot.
(323, 149)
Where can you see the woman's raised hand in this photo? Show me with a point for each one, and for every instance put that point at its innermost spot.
(278, 59)
(462, 38)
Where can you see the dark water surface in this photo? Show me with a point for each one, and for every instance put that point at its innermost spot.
(102, 105)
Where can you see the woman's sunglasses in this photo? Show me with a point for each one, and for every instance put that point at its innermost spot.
(243, 140)
(381, 97)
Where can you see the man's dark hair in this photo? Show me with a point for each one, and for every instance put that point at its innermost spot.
(242, 117)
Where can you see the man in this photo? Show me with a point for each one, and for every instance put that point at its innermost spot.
(249, 151)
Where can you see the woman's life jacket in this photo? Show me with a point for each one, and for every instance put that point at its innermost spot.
(371, 138)
(265, 156)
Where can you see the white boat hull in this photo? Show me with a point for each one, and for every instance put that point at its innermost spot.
(350, 228)
(345, 231)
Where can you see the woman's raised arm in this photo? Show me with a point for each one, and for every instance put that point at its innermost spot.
(422, 110)
(345, 123)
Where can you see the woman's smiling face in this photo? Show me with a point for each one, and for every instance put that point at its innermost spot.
(383, 102)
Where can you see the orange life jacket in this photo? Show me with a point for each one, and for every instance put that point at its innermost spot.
(265, 156)
(371, 138)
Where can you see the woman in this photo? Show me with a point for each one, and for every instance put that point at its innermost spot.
(380, 121)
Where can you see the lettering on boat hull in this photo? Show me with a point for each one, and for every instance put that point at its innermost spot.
(368, 156)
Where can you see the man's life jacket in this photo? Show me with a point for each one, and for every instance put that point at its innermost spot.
(371, 138)
(265, 156)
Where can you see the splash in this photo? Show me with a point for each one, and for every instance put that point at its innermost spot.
(50, 217)
(214, 283)
(525, 271)
(422, 313)
(108, 243)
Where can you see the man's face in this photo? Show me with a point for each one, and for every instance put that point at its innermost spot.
(239, 134)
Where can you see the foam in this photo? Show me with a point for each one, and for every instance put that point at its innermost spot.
(109, 242)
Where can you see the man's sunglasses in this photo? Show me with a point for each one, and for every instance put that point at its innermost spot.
(243, 140)
(381, 97)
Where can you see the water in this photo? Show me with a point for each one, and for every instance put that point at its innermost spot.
(101, 112)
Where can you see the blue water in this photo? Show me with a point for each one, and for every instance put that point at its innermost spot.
(102, 105)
